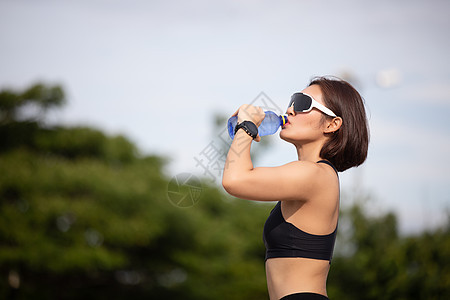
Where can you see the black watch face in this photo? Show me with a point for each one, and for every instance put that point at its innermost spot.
(252, 130)
(252, 127)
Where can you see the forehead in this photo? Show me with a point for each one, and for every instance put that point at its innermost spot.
(315, 92)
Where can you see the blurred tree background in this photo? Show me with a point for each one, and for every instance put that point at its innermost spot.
(84, 215)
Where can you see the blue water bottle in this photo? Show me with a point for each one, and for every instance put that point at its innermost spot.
(268, 126)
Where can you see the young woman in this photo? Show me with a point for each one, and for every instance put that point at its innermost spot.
(327, 124)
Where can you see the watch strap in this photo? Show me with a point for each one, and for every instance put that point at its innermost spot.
(249, 127)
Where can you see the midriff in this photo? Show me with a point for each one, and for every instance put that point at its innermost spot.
(289, 275)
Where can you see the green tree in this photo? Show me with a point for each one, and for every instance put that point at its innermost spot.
(85, 215)
(40, 96)
(380, 264)
(21, 112)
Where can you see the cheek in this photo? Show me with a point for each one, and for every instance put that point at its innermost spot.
(303, 122)
(309, 121)
(303, 127)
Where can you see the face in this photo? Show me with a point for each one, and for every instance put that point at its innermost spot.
(304, 127)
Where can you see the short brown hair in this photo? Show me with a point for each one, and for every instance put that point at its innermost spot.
(348, 146)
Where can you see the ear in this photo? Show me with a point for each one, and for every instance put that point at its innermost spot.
(333, 125)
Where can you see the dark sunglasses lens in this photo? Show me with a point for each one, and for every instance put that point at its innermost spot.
(290, 102)
(301, 102)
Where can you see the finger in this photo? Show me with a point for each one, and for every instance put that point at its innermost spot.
(242, 107)
(257, 139)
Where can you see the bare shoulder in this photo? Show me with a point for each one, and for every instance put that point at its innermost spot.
(319, 177)
(310, 179)
(313, 170)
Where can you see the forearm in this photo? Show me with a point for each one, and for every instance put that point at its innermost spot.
(238, 160)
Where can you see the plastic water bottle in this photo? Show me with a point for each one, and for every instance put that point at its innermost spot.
(269, 124)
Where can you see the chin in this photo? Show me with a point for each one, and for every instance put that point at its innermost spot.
(285, 136)
(291, 137)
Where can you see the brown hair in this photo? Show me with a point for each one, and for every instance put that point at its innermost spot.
(348, 146)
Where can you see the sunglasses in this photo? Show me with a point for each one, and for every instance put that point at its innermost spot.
(302, 102)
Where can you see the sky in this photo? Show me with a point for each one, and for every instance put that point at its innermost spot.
(159, 71)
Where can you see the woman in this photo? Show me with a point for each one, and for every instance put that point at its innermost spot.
(327, 124)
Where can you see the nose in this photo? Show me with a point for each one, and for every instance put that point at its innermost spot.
(290, 111)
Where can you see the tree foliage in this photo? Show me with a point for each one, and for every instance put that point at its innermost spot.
(40, 96)
(383, 265)
(84, 215)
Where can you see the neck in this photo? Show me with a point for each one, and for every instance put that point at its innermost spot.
(309, 151)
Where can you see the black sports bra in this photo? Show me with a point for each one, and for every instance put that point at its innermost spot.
(283, 239)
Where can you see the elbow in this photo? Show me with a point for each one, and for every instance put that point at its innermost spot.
(226, 183)
(230, 185)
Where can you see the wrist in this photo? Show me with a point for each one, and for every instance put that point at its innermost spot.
(249, 127)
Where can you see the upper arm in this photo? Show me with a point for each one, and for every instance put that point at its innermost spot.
(293, 181)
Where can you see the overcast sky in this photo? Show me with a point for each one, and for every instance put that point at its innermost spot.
(157, 71)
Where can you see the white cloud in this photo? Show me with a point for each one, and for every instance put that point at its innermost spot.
(389, 78)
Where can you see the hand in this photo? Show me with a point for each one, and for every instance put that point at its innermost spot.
(251, 113)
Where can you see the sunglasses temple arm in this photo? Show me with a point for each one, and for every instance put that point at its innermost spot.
(324, 109)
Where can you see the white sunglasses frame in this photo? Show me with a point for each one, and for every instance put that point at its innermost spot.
(317, 105)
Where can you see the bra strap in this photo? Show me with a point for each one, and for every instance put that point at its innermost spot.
(328, 163)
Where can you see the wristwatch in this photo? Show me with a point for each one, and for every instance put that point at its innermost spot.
(248, 127)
